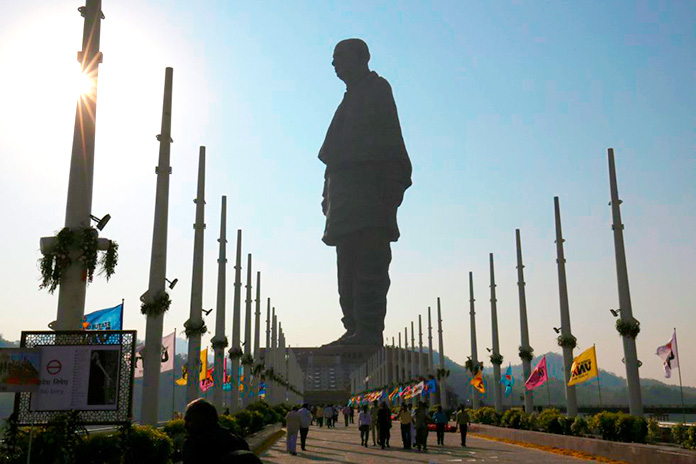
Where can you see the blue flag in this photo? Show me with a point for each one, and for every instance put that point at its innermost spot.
(508, 380)
(104, 319)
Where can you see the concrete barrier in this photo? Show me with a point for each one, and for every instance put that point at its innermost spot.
(629, 452)
(264, 439)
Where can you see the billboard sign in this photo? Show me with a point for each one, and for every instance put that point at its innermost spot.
(19, 369)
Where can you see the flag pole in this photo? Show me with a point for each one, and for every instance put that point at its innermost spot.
(174, 375)
(548, 390)
(681, 388)
(122, 304)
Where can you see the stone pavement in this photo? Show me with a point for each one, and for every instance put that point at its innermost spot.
(342, 445)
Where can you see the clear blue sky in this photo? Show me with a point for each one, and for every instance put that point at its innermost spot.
(502, 105)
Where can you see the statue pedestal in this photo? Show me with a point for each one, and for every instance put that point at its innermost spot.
(327, 371)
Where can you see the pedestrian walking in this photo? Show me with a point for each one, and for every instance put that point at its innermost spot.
(319, 415)
(412, 411)
(352, 415)
(364, 421)
(421, 420)
(305, 421)
(328, 415)
(292, 425)
(384, 424)
(463, 422)
(405, 421)
(346, 414)
(373, 425)
(440, 419)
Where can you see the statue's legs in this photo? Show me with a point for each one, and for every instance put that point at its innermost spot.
(363, 282)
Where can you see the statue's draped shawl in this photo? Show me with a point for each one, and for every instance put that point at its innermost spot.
(367, 166)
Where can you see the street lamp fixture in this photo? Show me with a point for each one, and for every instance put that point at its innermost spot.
(615, 312)
(101, 223)
(172, 283)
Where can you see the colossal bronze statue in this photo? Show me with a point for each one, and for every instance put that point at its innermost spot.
(367, 172)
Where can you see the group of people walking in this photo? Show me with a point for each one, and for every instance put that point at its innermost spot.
(376, 421)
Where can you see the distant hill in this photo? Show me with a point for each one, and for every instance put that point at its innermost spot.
(613, 388)
(7, 344)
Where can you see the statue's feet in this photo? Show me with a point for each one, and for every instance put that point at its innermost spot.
(341, 340)
(364, 339)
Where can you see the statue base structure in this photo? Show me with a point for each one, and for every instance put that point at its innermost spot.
(327, 371)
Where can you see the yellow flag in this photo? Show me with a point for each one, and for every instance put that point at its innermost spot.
(477, 382)
(203, 372)
(584, 367)
(182, 381)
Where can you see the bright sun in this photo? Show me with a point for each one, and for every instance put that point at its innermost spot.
(84, 84)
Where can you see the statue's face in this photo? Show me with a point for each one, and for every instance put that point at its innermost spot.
(346, 61)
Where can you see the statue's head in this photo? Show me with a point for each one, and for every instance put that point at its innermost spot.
(350, 59)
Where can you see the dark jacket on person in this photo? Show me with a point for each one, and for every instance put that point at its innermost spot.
(367, 166)
(211, 446)
(384, 418)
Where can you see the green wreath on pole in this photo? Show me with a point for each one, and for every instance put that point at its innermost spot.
(526, 354)
(496, 358)
(567, 341)
(630, 328)
(54, 263)
(158, 306)
(192, 329)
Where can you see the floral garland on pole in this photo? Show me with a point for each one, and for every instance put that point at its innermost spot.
(442, 373)
(496, 358)
(526, 354)
(54, 262)
(109, 260)
(630, 328)
(567, 341)
(191, 329)
(473, 368)
(257, 369)
(157, 306)
(247, 360)
(236, 353)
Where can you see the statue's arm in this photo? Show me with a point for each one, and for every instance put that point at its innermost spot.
(324, 194)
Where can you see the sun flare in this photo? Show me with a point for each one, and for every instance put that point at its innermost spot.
(84, 83)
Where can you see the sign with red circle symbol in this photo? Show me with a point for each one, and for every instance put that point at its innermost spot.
(53, 367)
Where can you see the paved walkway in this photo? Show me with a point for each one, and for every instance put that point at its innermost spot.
(342, 445)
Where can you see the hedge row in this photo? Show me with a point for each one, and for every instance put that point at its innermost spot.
(609, 425)
(684, 435)
(63, 441)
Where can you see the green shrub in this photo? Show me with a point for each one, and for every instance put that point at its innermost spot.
(552, 421)
(679, 433)
(514, 419)
(691, 440)
(147, 445)
(257, 422)
(243, 419)
(100, 448)
(59, 440)
(579, 427)
(640, 430)
(230, 423)
(605, 423)
(486, 415)
(654, 431)
(176, 430)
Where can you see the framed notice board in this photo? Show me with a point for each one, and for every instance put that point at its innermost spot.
(88, 371)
